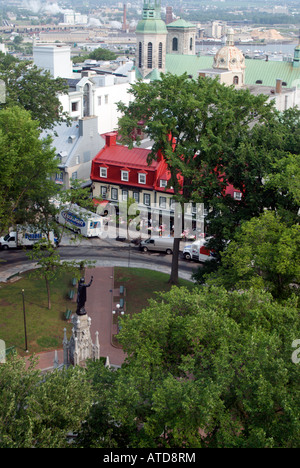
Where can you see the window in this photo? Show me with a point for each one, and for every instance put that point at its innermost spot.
(125, 176)
(86, 100)
(124, 195)
(142, 178)
(136, 197)
(77, 159)
(163, 183)
(99, 100)
(160, 55)
(59, 177)
(140, 55)
(150, 48)
(191, 43)
(114, 194)
(106, 98)
(162, 202)
(103, 172)
(74, 106)
(103, 191)
(74, 175)
(237, 195)
(235, 80)
(147, 199)
(175, 44)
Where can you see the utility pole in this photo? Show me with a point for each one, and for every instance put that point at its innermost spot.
(24, 315)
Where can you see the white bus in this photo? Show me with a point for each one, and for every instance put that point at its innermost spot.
(81, 221)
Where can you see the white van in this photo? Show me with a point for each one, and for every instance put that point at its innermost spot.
(81, 221)
(158, 244)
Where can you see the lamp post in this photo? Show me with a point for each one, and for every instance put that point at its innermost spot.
(117, 312)
(24, 316)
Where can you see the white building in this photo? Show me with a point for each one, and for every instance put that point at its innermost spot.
(71, 17)
(93, 91)
(98, 94)
(56, 58)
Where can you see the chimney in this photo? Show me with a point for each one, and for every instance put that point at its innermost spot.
(169, 15)
(278, 86)
(124, 26)
(111, 139)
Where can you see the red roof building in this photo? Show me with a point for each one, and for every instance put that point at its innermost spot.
(120, 173)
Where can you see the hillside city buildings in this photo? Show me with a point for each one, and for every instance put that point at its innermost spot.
(89, 150)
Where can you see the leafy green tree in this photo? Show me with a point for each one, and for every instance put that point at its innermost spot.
(264, 253)
(26, 163)
(102, 54)
(39, 411)
(35, 90)
(202, 129)
(208, 369)
(98, 54)
(48, 261)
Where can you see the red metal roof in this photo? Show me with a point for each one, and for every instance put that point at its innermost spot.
(118, 155)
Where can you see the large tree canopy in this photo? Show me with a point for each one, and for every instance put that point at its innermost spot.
(26, 162)
(39, 411)
(213, 136)
(264, 253)
(205, 368)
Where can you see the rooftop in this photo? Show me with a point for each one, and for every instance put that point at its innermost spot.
(180, 23)
(256, 70)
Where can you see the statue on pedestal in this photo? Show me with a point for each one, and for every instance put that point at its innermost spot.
(81, 296)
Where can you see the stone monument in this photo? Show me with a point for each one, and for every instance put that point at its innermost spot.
(80, 346)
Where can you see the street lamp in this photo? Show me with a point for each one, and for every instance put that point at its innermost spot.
(24, 316)
(114, 312)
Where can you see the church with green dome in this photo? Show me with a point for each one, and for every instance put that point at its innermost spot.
(162, 48)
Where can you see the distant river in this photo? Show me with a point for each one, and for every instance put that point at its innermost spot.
(279, 48)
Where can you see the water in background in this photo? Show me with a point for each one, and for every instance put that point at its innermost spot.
(276, 51)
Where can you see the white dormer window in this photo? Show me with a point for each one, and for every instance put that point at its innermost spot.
(103, 172)
(142, 178)
(125, 176)
(163, 183)
(237, 195)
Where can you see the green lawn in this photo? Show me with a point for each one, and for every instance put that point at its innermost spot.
(44, 327)
(141, 285)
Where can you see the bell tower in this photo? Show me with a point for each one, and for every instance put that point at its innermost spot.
(151, 35)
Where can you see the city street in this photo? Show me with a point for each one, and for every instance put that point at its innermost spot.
(105, 252)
